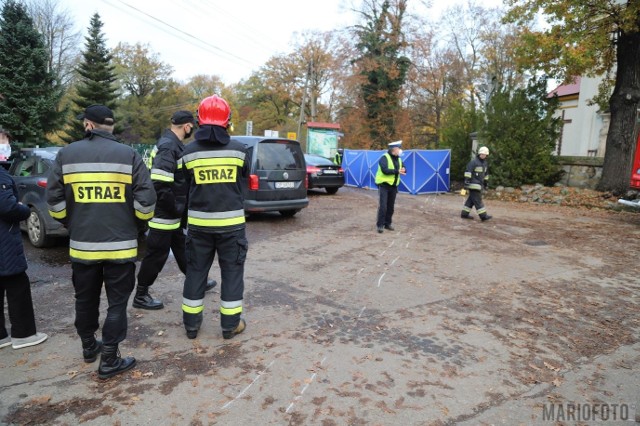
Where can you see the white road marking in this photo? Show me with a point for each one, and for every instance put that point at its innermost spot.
(306, 386)
(380, 280)
(228, 404)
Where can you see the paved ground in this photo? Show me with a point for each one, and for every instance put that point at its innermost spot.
(515, 321)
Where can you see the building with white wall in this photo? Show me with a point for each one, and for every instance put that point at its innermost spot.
(585, 127)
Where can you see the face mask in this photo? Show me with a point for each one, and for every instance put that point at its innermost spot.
(399, 152)
(5, 151)
(188, 134)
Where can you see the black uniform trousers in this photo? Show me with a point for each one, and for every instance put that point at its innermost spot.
(474, 200)
(119, 280)
(386, 205)
(202, 247)
(18, 290)
(159, 242)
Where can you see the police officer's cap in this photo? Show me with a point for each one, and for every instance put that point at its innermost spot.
(99, 114)
(395, 144)
(182, 117)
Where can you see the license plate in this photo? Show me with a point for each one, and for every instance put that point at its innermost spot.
(283, 185)
(329, 172)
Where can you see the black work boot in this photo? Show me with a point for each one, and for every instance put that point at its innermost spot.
(143, 300)
(111, 363)
(229, 334)
(90, 348)
(485, 217)
(211, 284)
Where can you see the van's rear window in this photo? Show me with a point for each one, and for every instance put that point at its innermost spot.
(279, 156)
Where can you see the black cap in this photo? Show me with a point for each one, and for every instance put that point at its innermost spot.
(98, 114)
(182, 117)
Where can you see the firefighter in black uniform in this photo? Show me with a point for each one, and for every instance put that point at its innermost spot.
(476, 178)
(165, 228)
(216, 170)
(101, 191)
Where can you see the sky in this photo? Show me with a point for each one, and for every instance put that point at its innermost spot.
(230, 39)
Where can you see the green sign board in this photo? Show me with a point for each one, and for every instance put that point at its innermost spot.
(322, 142)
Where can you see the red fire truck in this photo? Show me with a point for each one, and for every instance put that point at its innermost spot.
(635, 178)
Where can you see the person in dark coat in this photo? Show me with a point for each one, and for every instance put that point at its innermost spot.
(14, 282)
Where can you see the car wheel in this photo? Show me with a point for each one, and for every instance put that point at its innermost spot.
(332, 190)
(288, 213)
(36, 230)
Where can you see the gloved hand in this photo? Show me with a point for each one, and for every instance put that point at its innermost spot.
(467, 183)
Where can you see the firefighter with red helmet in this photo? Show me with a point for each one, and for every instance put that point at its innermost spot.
(216, 169)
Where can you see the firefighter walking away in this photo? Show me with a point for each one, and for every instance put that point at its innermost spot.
(216, 169)
(101, 191)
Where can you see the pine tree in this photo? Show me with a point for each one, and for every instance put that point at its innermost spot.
(521, 132)
(96, 78)
(29, 92)
(380, 41)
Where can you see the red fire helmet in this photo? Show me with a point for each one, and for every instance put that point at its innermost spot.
(214, 110)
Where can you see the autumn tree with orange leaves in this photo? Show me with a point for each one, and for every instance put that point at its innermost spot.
(593, 38)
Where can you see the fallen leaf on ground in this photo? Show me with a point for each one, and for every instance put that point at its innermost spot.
(41, 399)
(551, 367)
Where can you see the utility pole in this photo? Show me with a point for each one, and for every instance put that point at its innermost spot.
(314, 96)
(304, 102)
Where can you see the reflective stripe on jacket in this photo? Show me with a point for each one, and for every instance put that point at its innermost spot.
(216, 175)
(387, 171)
(168, 181)
(476, 175)
(100, 189)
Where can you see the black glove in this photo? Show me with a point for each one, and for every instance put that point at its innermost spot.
(486, 186)
(467, 183)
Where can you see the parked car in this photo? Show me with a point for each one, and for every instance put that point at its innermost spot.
(30, 169)
(277, 180)
(323, 173)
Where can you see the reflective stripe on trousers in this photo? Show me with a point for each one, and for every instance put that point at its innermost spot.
(231, 249)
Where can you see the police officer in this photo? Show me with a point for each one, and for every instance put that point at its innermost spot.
(476, 178)
(166, 232)
(337, 159)
(101, 191)
(216, 170)
(390, 168)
